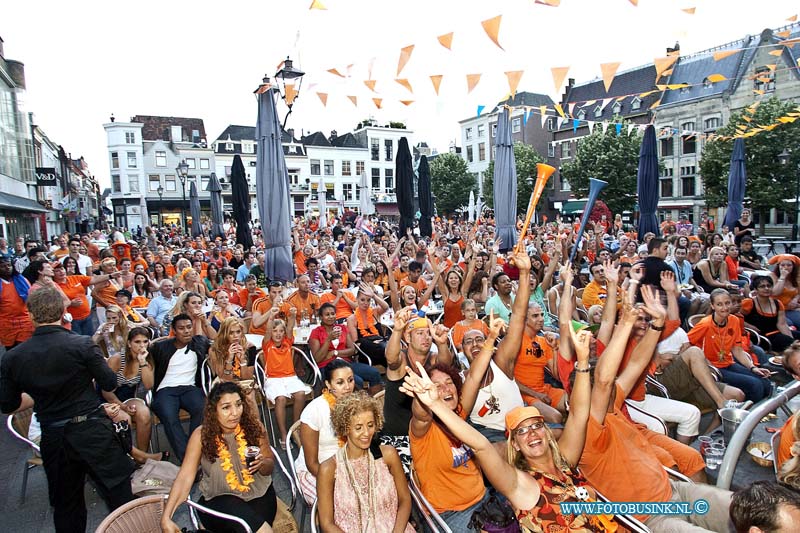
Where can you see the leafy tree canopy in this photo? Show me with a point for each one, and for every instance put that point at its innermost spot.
(451, 182)
(525, 158)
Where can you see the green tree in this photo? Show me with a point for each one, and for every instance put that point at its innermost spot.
(525, 159)
(451, 182)
(769, 182)
(610, 157)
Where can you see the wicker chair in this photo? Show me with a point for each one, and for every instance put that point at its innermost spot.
(142, 515)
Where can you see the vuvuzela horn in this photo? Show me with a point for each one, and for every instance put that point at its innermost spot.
(543, 173)
(595, 186)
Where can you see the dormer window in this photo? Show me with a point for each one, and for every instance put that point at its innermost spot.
(617, 108)
(636, 103)
(229, 147)
(582, 115)
(598, 112)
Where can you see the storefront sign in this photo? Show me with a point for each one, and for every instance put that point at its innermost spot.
(46, 177)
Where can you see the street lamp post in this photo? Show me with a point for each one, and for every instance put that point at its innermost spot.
(784, 157)
(183, 172)
(160, 192)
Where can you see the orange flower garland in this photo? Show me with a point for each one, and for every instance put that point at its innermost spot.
(227, 465)
(331, 399)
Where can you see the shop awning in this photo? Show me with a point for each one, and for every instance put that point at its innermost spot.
(573, 206)
(387, 209)
(20, 203)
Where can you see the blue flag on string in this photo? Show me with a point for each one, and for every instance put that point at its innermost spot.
(480, 109)
(619, 128)
(575, 123)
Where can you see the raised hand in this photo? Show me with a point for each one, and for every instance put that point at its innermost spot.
(496, 325)
(612, 274)
(402, 318)
(522, 261)
(439, 333)
(636, 272)
(668, 281)
(652, 303)
(581, 340)
(566, 275)
(363, 287)
(420, 386)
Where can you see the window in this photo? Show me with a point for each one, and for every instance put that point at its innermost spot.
(375, 149)
(551, 150)
(376, 178)
(712, 123)
(389, 175)
(688, 127)
(469, 154)
(345, 168)
(204, 165)
(666, 188)
(636, 103)
(130, 137)
(359, 168)
(315, 169)
(204, 182)
(565, 150)
(248, 148)
(329, 167)
(687, 186)
(116, 185)
(551, 124)
(468, 134)
(617, 108)
(764, 80)
(347, 190)
(169, 182)
(481, 151)
(598, 112)
(481, 131)
(131, 159)
(581, 115)
(229, 147)
(494, 152)
(191, 162)
(330, 194)
(565, 186)
(688, 144)
(516, 125)
(161, 158)
(387, 144)
(667, 147)
(133, 184)
(155, 182)
(195, 136)
(114, 160)
(494, 130)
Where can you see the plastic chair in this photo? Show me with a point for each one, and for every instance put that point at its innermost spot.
(18, 424)
(380, 395)
(195, 507)
(314, 518)
(694, 319)
(774, 444)
(311, 363)
(206, 376)
(261, 382)
(657, 420)
(306, 509)
(361, 353)
(426, 507)
(142, 515)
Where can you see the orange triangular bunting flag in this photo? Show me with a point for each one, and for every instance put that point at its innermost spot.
(446, 40)
(323, 97)
(655, 104)
(772, 67)
(634, 2)
(793, 18)
(608, 70)
(689, 10)
(405, 55)
(559, 73)
(378, 102)
(492, 28)
(405, 83)
(370, 84)
(316, 4)
(667, 72)
(406, 102)
(776, 52)
(472, 81)
(758, 91)
(725, 53)
(436, 79)
(291, 94)
(513, 80)
(551, 3)
(354, 99)
(715, 78)
(783, 34)
(335, 72)
(663, 63)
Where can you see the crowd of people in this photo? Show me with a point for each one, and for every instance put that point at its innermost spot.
(497, 377)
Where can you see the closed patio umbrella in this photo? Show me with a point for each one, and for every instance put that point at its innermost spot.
(647, 184)
(367, 208)
(215, 189)
(143, 210)
(322, 203)
(194, 209)
(272, 190)
(471, 206)
(425, 198)
(737, 180)
(505, 184)
(240, 190)
(404, 186)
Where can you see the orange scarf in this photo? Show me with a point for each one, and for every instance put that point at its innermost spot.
(366, 325)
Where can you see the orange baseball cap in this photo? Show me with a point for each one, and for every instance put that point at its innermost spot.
(519, 414)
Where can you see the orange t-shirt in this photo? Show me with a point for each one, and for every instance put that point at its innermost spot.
(17, 324)
(448, 475)
(300, 262)
(243, 295)
(262, 305)
(459, 330)
(310, 305)
(785, 441)
(58, 254)
(419, 285)
(717, 342)
(107, 295)
(279, 362)
(399, 275)
(616, 458)
(75, 287)
(639, 388)
(533, 357)
(343, 309)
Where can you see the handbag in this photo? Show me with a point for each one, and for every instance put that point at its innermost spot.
(494, 516)
(154, 477)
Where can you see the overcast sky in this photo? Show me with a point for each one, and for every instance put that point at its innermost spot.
(86, 60)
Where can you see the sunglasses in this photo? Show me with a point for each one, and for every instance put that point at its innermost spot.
(524, 430)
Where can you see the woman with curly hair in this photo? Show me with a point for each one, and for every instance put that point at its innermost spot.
(362, 487)
(233, 481)
(232, 357)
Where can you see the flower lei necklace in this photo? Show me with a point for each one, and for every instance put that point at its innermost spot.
(331, 399)
(226, 463)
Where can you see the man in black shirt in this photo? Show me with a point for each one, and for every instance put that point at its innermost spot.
(56, 368)
(748, 258)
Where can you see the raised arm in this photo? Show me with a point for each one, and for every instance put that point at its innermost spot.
(394, 367)
(610, 307)
(643, 352)
(508, 350)
(565, 308)
(479, 366)
(394, 294)
(547, 280)
(574, 435)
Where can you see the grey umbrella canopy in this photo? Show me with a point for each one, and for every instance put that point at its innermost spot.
(240, 190)
(647, 184)
(366, 197)
(505, 184)
(404, 185)
(425, 198)
(216, 207)
(194, 210)
(737, 180)
(272, 191)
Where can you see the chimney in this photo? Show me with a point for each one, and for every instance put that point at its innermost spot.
(675, 49)
(290, 131)
(333, 135)
(112, 117)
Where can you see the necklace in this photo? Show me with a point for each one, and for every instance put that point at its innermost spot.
(369, 505)
(226, 462)
(721, 337)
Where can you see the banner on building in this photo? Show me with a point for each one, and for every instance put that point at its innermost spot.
(46, 177)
